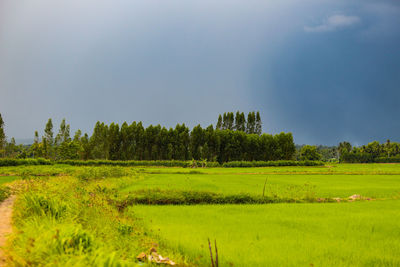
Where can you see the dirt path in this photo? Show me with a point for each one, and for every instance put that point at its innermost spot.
(5, 224)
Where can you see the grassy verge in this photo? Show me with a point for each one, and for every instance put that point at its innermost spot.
(177, 197)
(4, 193)
(68, 221)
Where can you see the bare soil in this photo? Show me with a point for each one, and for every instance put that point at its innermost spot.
(5, 225)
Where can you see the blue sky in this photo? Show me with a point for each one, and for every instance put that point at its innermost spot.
(327, 71)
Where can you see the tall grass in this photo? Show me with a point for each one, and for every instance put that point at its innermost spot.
(64, 222)
(292, 194)
(4, 193)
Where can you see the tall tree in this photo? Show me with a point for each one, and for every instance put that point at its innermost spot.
(86, 151)
(2, 137)
(230, 121)
(114, 141)
(77, 135)
(196, 142)
(37, 147)
(219, 122)
(63, 134)
(49, 139)
(11, 148)
(258, 127)
(240, 122)
(224, 121)
(343, 148)
(99, 142)
(251, 123)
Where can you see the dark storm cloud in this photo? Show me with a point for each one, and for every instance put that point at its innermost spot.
(325, 70)
(337, 83)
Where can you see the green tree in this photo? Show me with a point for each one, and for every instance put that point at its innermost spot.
(11, 149)
(230, 121)
(240, 122)
(2, 137)
(219, 122)
(344, 147)
(308, 152)
(224, 121)
(48, 140)
(63, 134)
(196, 142)
(251, 123)
(99, 141)
(286, 148)
(114, 142)
(258, 124)
(37, 147)
(62, 141)
(86, 151)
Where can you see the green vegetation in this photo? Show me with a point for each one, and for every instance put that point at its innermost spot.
(107, 215)
(67, 221)
(284, 185)
(161, 163)
(373, 152)
(4, 193)
(309, 153)
(233, 140)
(2, 137)
(19, 162)
(344, 234)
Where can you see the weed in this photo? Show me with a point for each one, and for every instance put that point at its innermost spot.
(43, 206)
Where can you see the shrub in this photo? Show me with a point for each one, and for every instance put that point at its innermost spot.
(177, 197)
(19, 162)
(127, 163)
(233, 164)
(43, 206)
(395, 159)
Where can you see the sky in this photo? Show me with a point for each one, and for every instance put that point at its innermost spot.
(325, 70)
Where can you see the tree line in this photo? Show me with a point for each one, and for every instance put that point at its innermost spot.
(234, 139)
(372, 152)
(229, 121)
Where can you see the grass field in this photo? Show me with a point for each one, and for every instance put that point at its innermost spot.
(374, 186)
(345, 234)
(82, 206)
(7, 179)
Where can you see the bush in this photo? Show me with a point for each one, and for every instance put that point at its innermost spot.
(178, 197)
(395, 159)
(158, 163)
(277, 163)
(20, 162)
(127, 163)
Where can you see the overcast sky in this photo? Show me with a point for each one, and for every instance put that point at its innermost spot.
(327, 71)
